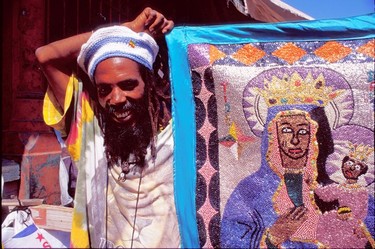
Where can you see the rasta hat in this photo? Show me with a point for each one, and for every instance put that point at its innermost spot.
(117, 41)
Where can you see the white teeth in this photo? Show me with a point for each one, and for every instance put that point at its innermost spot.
(122, 115)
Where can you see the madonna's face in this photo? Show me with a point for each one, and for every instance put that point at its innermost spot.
(293, 133)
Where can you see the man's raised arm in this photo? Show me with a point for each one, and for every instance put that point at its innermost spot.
(58, 59)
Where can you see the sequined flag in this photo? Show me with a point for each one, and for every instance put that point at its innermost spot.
(274, 133)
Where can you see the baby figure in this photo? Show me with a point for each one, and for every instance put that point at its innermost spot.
(344, 227)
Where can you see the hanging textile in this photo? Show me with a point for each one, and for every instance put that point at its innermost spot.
(274, 133)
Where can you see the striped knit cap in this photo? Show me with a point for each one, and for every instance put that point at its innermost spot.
(117, 41)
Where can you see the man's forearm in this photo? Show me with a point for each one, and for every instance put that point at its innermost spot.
(58, 62)
(66, 49)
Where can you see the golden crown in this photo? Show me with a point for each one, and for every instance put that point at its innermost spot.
(293, 89)
(360, 152)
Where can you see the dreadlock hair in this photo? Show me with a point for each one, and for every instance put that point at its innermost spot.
(153, 105)
(159, 90)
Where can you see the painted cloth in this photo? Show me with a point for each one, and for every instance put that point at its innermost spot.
(67, 174)
(263, 114)
(98, 223)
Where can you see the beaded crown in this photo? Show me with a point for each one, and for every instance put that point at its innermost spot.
(360, 152)
(293, 89)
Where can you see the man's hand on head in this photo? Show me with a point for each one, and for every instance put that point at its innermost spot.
(151, 22)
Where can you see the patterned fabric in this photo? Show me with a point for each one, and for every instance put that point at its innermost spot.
(263, 116)
(18, 229)
(101, 224)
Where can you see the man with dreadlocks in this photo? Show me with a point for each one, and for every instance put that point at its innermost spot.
(118, 132)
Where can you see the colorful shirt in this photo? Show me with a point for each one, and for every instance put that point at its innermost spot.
(144, 217)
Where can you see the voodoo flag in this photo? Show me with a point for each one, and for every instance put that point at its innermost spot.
(274, 133)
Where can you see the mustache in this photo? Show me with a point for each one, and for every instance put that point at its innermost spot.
(127, 106)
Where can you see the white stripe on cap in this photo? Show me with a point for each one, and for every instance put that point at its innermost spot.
(117, 41)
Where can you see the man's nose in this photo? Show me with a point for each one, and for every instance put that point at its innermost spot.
(117, 96)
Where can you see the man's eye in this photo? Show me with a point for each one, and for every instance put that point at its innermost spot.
(103, 90)
(128, 85)
(357, 167)
(286, 130)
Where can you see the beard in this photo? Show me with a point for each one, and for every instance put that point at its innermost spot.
(123, 141)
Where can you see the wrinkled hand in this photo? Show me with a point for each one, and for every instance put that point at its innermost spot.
(287, 224)
(151, 22)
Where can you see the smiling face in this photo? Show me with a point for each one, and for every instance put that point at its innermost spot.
(293, 133)
(120, 85)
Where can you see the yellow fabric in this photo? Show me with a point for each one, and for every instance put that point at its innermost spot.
(54, 116)
(52, 113)
(79, 235)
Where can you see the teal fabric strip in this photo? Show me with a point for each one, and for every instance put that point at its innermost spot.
(183, 113)
(358, 27)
